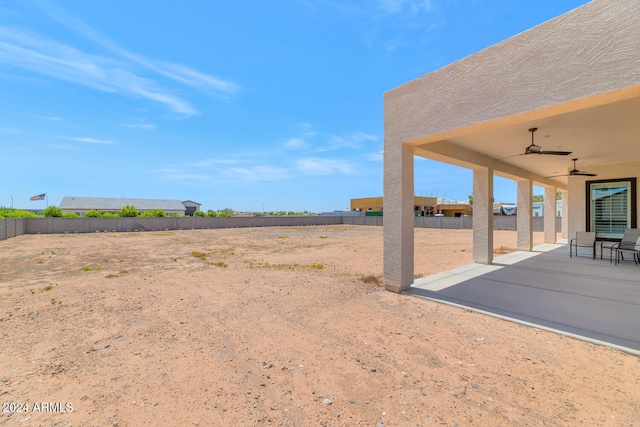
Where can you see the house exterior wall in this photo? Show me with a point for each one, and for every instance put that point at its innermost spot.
(376, 204)
(576, 61)
(453, 210)
(578, 194)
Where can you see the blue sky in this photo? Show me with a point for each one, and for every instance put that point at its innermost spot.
(273, 104)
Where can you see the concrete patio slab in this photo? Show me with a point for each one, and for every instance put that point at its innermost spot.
(593, 300)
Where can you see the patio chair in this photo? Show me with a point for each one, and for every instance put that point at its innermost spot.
(583, 239)
(630, 243)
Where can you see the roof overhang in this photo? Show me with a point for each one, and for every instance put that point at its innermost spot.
(576, 78)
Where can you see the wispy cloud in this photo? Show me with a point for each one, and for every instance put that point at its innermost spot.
(260, 173)
(177, 72)
(386, 24)
(114, 71)
(355, 140)
(374, 157)
(324, 166)
(87, 140)
(214, 162)
(40, 55)
(146, 126)
(412, 6)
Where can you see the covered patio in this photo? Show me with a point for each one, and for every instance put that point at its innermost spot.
(592, 300)
(576, 79)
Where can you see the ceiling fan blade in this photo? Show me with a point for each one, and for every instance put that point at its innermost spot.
(578, 173)
(556, 176)
(556, 153)
(508, 157)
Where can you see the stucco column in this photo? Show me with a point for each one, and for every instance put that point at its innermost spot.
(483, 215)
(549, 214)
(565, 214)
(398, 216)
(524, 219)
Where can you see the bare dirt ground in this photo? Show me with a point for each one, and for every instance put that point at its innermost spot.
(275, 326)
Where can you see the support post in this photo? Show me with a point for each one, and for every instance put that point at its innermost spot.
(565, 214)
(398, 216)
(483, 215)
(550, 215)
(524, 215)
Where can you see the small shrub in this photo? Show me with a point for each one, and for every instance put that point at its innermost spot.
(109, 215)
(199, 213)
(52, 211)
(371, 279)
(211, 213)
(47, 288)
(219, 264)
(502, 250)
(129, 212)
(200, 255)
(16, 213)
(156, 213)
(70, 215)
(93, 214)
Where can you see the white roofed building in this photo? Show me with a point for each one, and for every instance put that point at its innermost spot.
(82, 205)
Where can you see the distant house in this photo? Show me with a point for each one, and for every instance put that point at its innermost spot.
(82, 205)
(421, 205)
(191, 207)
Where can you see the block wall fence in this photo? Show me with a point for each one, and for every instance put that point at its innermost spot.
(12, 227)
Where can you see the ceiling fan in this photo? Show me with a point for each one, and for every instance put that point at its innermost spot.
(575, 172)
(536, 149)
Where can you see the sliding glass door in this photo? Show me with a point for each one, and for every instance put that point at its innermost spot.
(611, 207)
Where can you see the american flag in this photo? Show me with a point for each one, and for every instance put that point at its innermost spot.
(38, 197)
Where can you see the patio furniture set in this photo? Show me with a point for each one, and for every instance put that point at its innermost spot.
(629, 244)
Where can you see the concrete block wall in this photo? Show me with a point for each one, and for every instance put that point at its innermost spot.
(12, 227)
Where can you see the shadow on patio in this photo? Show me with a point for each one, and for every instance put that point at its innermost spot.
(592, 300)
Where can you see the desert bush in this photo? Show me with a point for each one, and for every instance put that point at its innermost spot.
(93, 214)
(129, 212)
(371, 279)
(211, 213)
(52, 211)
(156, 213)
(199, 213)
(16, 213)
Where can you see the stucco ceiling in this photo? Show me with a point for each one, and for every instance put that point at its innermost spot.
(599, 135)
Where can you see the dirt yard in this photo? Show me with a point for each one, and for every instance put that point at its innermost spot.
(277, 326)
